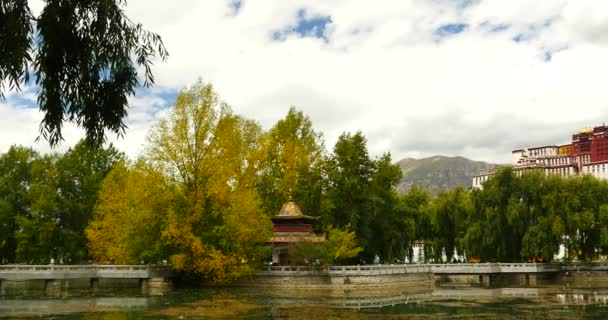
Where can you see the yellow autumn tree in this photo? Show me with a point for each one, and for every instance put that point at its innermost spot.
(292, 164)
(134, 201)
(216, 229)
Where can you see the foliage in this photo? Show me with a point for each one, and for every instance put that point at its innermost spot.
(391, 227)
(216, 229)
(81, 171)
(15, 179)
(360, 193)
(341, 245)
(84, 56)
(292, 164)
(202, 193)
(349, 173)
(47, 201)
(418, 225)
(38, 229)
(448, 213)
(517, 217)
(134, 201)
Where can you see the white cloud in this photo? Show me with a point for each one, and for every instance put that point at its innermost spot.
(382, 70)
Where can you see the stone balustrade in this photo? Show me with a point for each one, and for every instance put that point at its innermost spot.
(60, 272)
(494, 268)
(457, 268)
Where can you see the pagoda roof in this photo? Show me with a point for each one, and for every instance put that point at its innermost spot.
(291, 211)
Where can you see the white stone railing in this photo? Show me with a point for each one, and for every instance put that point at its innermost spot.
(457, 268)
(581, 266)
(346, 270)
(484, 268)
(25, 272)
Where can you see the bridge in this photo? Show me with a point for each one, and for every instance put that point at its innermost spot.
(494, 268)
(92, 272)
(439, 269)
(364, 270)
(486, 271)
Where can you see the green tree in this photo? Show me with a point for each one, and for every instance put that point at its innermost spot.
(292, 165)
(84, 56)
(416, 223)
(341, 245)
(494, 232)
(547, 200)
(449, 213)
(390, 227)
(61, 192)
(583, 220)
(81, 172)
(15, 180)
(37, 234)
(349, 171)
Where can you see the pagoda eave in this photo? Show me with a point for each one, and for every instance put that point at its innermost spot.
(281, 239)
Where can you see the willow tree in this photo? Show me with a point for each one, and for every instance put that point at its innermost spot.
(448, 213)
(217, 229)
(84, 56)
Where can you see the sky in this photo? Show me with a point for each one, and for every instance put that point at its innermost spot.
(472, 78)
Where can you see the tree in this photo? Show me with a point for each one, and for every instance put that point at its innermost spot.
(61, 193)
(448, 212)
(84, 56)
(494, 230)
(134, 204)
(81, 171)
(341, 245)
(547, 200)
(15, 180)
(583, 222)
(37, 235)
(349, 171)
(292, 165)
(217, 229)
(391, 230)
(360, 194)
(414, 223)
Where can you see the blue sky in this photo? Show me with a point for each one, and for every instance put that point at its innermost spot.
(305, 26)
(476, 78)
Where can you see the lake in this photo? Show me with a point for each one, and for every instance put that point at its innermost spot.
(551, 301)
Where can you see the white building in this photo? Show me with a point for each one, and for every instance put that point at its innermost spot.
(587, 154)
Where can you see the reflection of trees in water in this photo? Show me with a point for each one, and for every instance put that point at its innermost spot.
(222, 305)
(239, 303)
(43, 307)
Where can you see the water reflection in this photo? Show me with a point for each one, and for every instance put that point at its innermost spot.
(549, 302)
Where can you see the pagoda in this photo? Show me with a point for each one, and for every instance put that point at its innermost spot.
(290, 227)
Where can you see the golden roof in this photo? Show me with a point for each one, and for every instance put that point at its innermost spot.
(290, 209)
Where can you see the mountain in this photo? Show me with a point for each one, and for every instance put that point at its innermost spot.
(439, 172)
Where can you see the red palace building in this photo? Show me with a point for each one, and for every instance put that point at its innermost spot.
(586, 154)
(290, 227)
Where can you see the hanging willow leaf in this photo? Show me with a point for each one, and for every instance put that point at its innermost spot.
(85, 57)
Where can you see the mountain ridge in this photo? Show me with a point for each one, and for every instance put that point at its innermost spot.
(438, 173)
